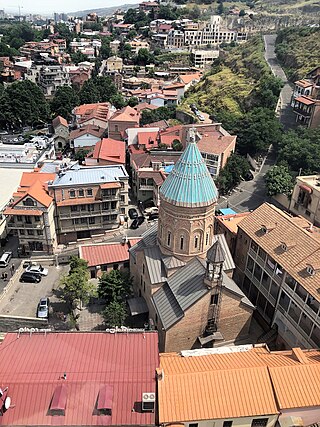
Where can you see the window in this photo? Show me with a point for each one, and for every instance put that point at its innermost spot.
(37, 218)
(227, 423)
(181, 243)
(169, 238)
(28, 219)
(306, 324)
(113, 205)
(74, 208)
(257, 272)
(313, 304)
(207, 239)
(259, 422)
(72, 194)
(265, 282)
(81, 193)
(19, 218)
(89, 192)
(83, 220)
(28, 202)
(290, 281)
(254, 246)
(92, 220)
(39, 232)
(214, 299)
(274, 289)
(83, 207)
(294, 312)
(22, 232)
(91, 208)
(196, 242)
(122, 199)
(30, 232)
(301, 292)
(310, 270)
(315, 336)
(75, 221)
(284, 301)
(113, 217)
(250, 264)
(105, 206)
(143, 268)
(193, 425)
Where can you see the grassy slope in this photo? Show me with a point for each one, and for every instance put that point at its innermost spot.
(230, 89)
(298, 51)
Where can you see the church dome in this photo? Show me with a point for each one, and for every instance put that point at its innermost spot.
(190, 183)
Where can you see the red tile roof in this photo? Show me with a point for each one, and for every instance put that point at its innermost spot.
(111, 150)
(305, 100)
(187, 78)
(126, 114)
(59, 121)
(33, 367)
(105, 254)
(87, 112)
(88, 129)
(146, 139)
(145, 106)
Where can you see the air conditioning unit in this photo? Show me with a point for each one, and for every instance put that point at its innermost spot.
(148, 402)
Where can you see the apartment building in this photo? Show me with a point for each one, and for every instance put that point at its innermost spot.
(305, 199)
(51, 77)
(175, 39)
(202, 58)
(305, 99)
(31, 214)
(278, 268)
(240, 386)
(89, 200)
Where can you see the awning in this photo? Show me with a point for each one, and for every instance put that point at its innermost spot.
(209, 338)
(306, 188)
(137, 306)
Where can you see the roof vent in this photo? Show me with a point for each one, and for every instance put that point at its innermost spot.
(58, 401)
(284, 247)
(104, 401)
(148, 402)
(310, 270)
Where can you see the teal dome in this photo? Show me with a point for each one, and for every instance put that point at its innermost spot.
(190, 183)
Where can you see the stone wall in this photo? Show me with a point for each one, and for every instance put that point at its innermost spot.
(14, 323)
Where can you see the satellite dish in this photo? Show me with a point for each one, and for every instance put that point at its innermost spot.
(7, 403)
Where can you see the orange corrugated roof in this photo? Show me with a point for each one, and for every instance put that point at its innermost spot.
(126, 114)
(78, 201)
(33, 184)
(187, 78)
(11, 211)
(215, 395)
(110, 185)
(110, 149)
(305, 100)
(297, 386)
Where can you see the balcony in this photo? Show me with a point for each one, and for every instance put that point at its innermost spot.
(302, 112)
(19, 225)
(81, 214)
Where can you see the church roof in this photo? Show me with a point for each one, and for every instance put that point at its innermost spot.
(215, 254)
(228, 261)
(189, 184)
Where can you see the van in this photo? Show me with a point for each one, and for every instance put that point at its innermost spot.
(5, 259)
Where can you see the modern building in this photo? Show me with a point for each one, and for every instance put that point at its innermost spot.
(81, 379)
(89, 201)
(31, 214)
(61, 133)
(203, 58)
(305, 99)
(305, 199)
(50, 77)
(242, 386)
(278, 267)
(183, 270)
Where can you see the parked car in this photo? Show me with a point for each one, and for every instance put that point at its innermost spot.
(5, 259)
(27, 277)
(133, 214)
(248, 176)
(151, 210)
(140, 220)
(153, 216)
(135, 224)
(43, 308)
(37, 269)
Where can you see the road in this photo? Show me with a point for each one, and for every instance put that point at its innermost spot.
(249, 194)
(287, 117)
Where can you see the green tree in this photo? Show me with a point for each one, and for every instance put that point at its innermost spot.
(77, 263)
(76, 287)
(64, 101)
(278, 181)
(89, 93)
(161, 113)
(176, 145)
(115, 314)
(115, 285)
(133, 101)
(77, 57)
(105, 50)
(81, 155)
(144, 57)
(257, 130)
(118, 101)
(236, 168)
(168, 12)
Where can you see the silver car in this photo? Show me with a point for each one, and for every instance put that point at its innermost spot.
(37, 269)
(43, 308)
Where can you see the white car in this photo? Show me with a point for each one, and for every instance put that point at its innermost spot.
(37, 269)
(151, 210)
(43, 308)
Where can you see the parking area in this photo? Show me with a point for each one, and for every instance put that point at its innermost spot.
(23, 298)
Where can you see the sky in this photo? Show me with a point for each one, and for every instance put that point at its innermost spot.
(51, 6)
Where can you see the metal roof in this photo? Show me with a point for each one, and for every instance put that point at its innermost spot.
(215, 254)
(148, 238)
(228, 262)
(153, 257)
(186, 286)
(33, 366)
(231, 285)
(190, 184)
(90, 175)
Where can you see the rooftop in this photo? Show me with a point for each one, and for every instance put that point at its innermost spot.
(108, 253)
(11, 186)
(89, 129)
(303, 248)
(189, 184)
(236, 382)
(59, 121)
(90, 175)
(312, 181)
(231, 221)
(111, 150)
(118, 367)
(126, 114)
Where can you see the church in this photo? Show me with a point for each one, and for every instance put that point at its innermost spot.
(183, 270)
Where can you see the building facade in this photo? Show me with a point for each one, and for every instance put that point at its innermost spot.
(278, 268)
(89, 201)
(305, 199)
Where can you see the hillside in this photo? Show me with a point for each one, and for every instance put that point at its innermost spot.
(298, 50)
(104, 11)
(232, 87)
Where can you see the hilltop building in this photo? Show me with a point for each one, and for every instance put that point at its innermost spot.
(183, 270)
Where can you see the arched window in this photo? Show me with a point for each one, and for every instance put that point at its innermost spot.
(207, 238)
(29, 202)
(196, 242)
(181, 243)
(169, 238)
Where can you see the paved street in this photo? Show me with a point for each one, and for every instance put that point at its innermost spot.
(249, 194)
(287, 117)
